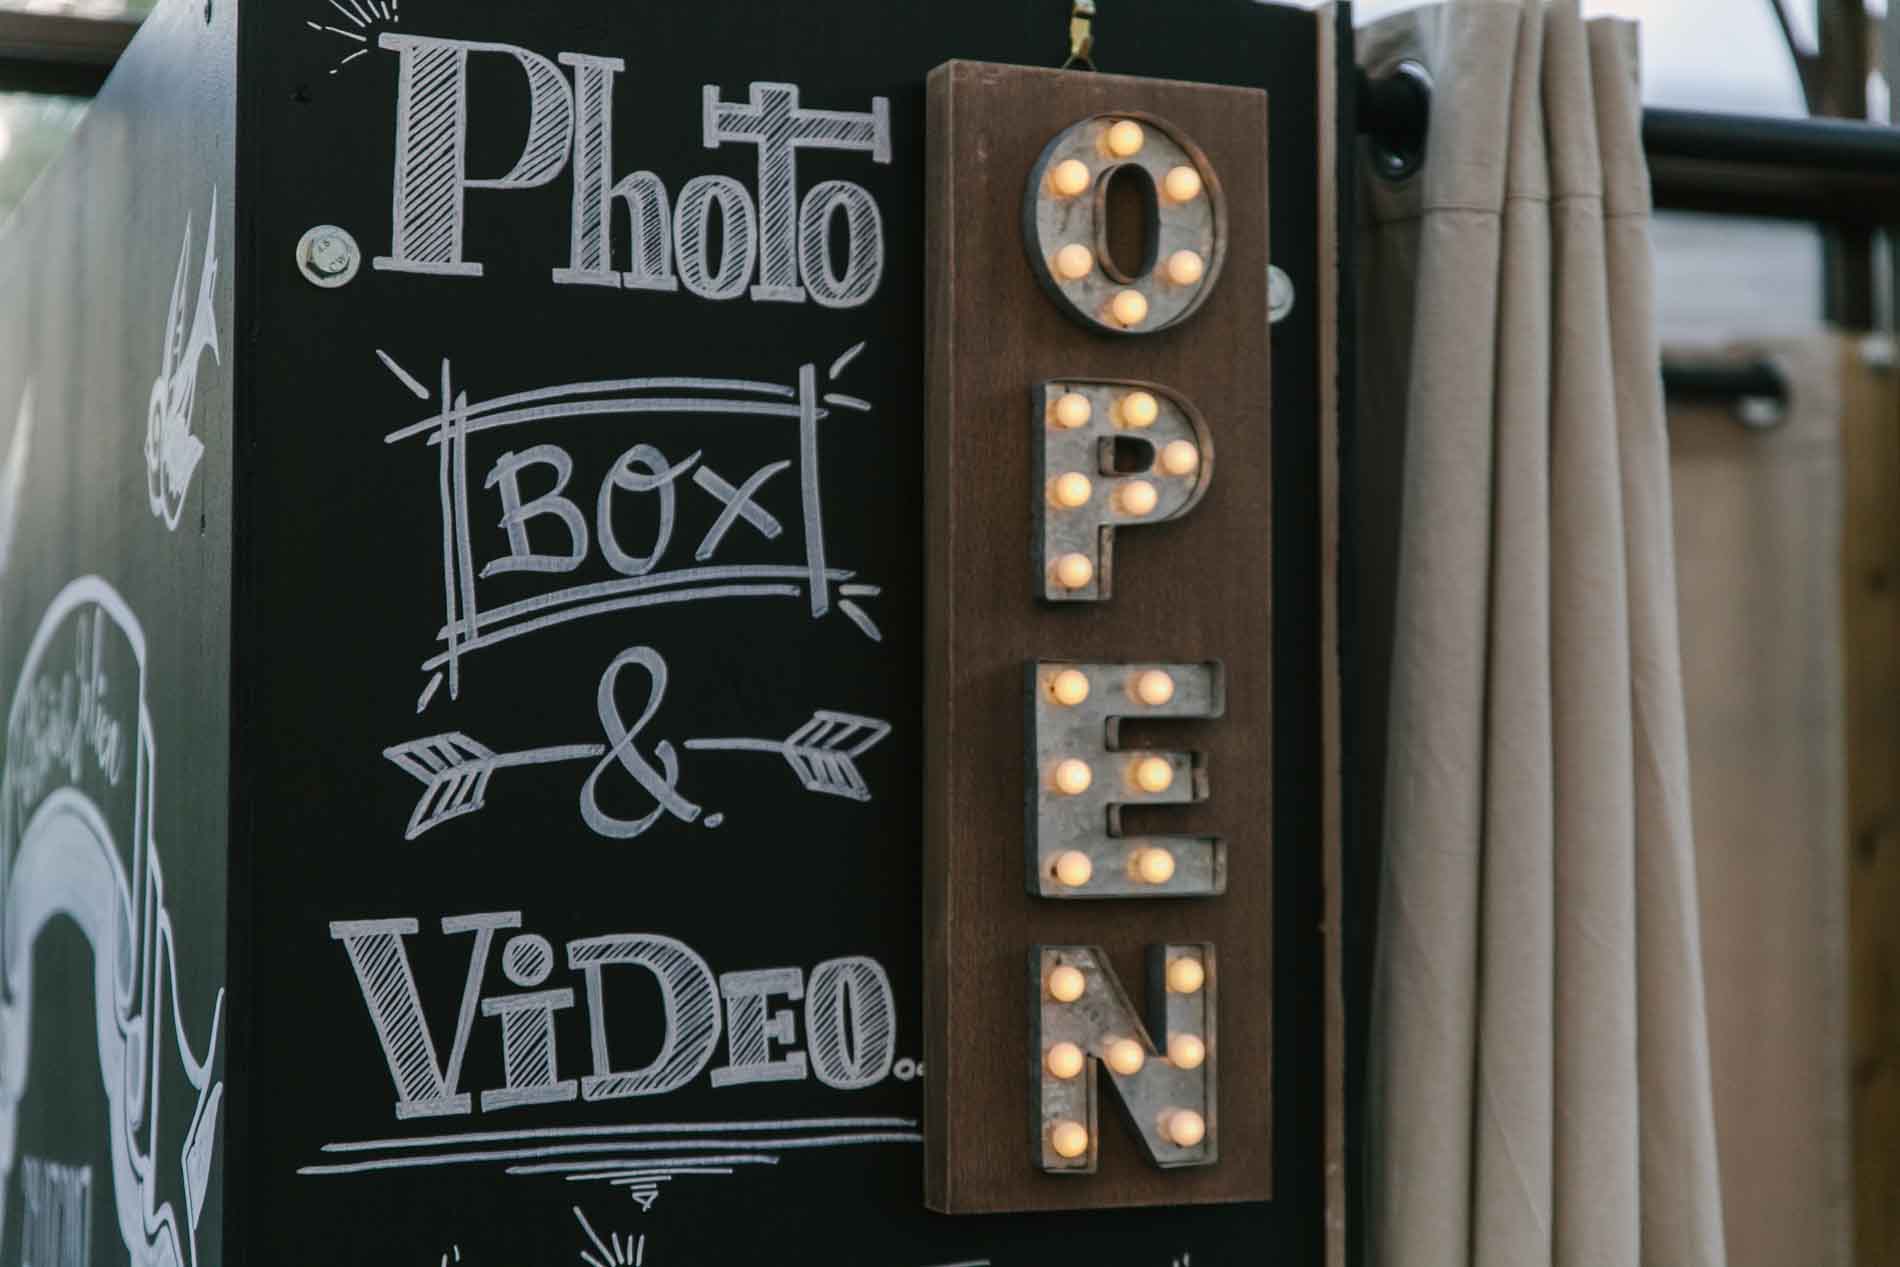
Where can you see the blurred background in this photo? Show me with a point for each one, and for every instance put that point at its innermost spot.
(33, 125)
(1788, 558)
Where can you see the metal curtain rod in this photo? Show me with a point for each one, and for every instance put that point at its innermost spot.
(1756, 392)
(1831, 171)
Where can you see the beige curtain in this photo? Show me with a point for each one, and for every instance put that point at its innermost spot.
(1538, 1084)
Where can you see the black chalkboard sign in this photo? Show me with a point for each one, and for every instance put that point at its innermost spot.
(563, 559)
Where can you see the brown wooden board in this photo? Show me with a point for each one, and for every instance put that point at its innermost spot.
(1870, 625)
(1198, 588)
(1759, 587)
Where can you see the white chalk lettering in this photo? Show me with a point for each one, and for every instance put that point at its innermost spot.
(752, 1026)
(686, 994)
(852, 1021)
(774, 123)
(850, 1017)
(768, 233)
(424, 1087)
(432, 177)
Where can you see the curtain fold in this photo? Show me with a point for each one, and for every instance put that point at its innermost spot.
(1539, 1085)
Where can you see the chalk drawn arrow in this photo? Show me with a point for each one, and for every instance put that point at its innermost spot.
(823, 752)
(454, 770)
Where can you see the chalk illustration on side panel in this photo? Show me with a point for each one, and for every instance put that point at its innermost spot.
(551, 535)
(455, 769)
(56, 1214)
(363, 17)
(77, 842)
(13, 477)
(172, 452)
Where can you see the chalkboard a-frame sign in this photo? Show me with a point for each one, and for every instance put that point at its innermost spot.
(480, 448)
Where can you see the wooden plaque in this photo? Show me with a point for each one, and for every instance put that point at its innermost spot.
(1194, 589)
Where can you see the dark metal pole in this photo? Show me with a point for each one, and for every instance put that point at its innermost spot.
(1842, 80)
(1827, 171)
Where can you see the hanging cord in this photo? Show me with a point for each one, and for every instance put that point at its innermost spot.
(1081, 36)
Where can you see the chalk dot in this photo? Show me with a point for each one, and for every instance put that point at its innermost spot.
(1178, 457)
(1185, 268)
(1154, 688)
(1129, 307)
(1069, 177)
(1064, 1060)
(1125, 1056)
(527, 959)
(1139, 409)
(1154, 774)
(1154, 866)
(1137, 497)
(1073, 777)
(1074, 262)
(1074, 571)
(1125, 139)
(1185, 976)
(714, 820)
(1182, 184)
(1070, 687)
(1066, 983)
(1069, 1139)
(1074, 868)
(1186, 1128)
(1186, 1051)
(1072, 410)
(1073, 490)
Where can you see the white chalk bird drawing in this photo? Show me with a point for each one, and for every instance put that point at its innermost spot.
(172, 452)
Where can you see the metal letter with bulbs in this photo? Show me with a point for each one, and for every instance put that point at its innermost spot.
(1098, 251)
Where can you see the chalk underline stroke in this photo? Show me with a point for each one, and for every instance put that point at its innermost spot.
(782, 1142)
(625, 1167)
(675, 579)
(630, 1128)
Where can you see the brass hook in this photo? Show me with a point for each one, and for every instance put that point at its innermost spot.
(1081, 36)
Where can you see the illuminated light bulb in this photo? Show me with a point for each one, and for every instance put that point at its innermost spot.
(1073, 409)
(1154, 774)
(1067, 984)
(1125, 139)
(1071, 176)
(1153, 866)
(1185, 976)
(1129, 307)
(1125, 1056)
(1139, 409)
(1069, 1139)
(1185, 1128)
(1137, 497)
(1074, 262)
(1182, 184)
(1178, 457)
(1185, 1051)
(1185, 268)
(1073, 490)
(1074, 868)
(1064, 1060)
(1073, 777)
(1154, 688)
(1073, 571)
(1070, 687)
